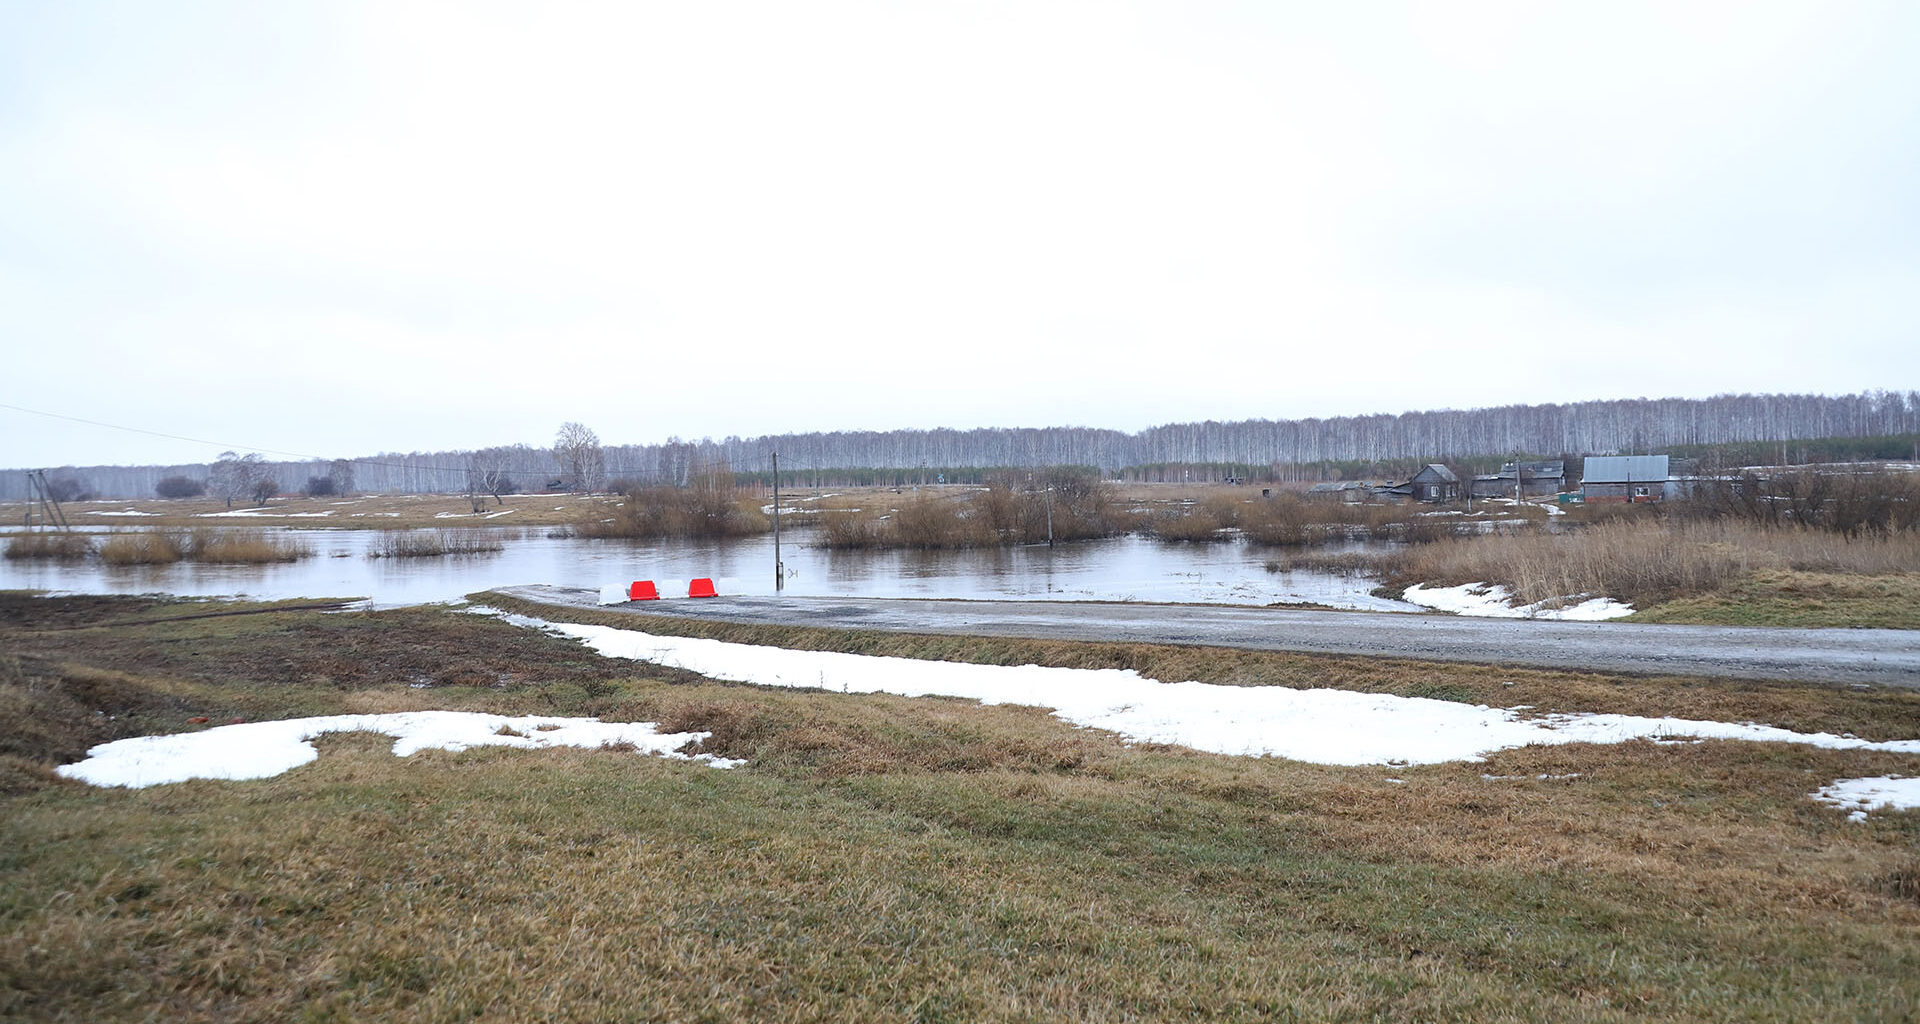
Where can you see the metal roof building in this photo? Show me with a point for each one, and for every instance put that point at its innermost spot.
(1624, 478)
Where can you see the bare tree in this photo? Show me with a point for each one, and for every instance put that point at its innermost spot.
(67, 487)
(233, 476)
(487, 475)
(582, 461)
(264, 487)
(341, 470)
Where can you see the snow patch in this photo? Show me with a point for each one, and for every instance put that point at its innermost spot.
(1338, 727)
(123, 512)
(259, 750)
(1882, 793)
(1486, 599)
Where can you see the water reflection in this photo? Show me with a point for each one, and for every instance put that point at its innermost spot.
(1117, 569)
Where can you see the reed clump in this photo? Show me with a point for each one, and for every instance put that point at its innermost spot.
(49, 545)
(436, 543)
(206, 545)
(145, 547)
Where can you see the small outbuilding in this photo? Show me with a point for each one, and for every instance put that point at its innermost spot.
(1434, 483)
(1629, 478)
(1529, 479)
(1351, 492)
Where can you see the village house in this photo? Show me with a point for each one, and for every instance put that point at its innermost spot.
(1634, 478)
(1434, 483)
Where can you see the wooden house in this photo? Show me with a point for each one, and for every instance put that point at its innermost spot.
(1434, 483)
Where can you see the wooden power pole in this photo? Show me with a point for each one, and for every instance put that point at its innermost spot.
(779, 570)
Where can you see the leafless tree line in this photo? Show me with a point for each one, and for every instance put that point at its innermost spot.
(1622, 426)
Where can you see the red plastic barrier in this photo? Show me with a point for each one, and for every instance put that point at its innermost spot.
(643, 590)
(702, 587)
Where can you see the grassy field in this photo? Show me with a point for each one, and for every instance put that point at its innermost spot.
(882, 858)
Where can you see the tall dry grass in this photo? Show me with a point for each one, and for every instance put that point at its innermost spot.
(1644, 561)
(436, 543)
(48, 544)
(1287, 520)
(205, 544)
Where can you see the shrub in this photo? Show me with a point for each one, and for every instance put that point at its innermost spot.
(68, 488)
(1060, 504)
(710, 506)
(1210, 520)
(180, 487)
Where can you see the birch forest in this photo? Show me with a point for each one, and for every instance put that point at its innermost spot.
(1624, 426)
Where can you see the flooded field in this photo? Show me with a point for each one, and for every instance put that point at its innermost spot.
(1116, 569)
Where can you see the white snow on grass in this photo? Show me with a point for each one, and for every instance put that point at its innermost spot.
(123, 512)
(1486, 599)
(259, 750)
(1883, 793)
(1322, 726)
(267, 513)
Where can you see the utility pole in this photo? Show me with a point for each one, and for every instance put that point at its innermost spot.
(49, 505)
(779, 570)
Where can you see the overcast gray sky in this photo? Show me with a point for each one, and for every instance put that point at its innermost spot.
(338, 228)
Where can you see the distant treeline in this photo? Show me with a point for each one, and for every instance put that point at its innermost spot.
(1742, 429)
(1732, 455)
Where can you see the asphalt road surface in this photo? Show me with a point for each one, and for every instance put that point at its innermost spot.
(1834, 656)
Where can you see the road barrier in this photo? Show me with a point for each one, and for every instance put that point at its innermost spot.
(702, 587)
(643, 590)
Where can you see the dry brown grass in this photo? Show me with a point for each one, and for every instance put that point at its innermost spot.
(892, 859)
(436, 543)
(1289, 520)
(220, 545)
(1644, 560)
(1209, 520)
(50, 544)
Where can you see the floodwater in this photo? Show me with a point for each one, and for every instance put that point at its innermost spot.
(1115, 569)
